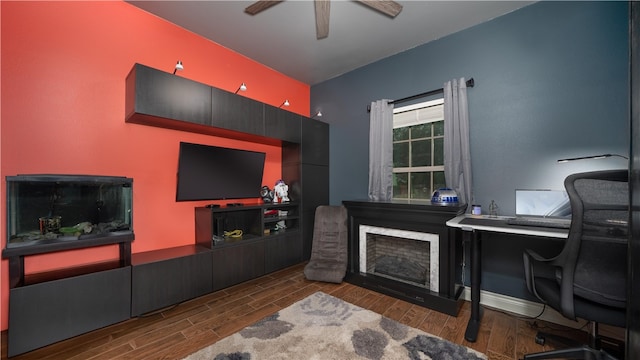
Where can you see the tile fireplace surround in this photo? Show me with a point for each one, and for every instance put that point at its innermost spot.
(421, 255)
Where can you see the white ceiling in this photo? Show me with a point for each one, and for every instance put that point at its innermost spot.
(283, 36)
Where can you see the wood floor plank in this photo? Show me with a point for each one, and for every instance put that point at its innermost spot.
(503, 335)
(397, 310)
(525, 339)
(149, 351)
(415, 316)
(454, 328)
(229, 327)
(297, 295)
(433, 323)
(484, 332)
(176, 332)
(368, 299)
(382, 304)
(160, 333)
(216, 320)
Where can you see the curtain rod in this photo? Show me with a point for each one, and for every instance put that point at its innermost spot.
(469, 83)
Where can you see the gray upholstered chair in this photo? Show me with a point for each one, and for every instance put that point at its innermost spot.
(329, 248)
(588, 278)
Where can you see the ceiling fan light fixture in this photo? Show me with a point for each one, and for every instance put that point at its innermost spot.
(322, 8)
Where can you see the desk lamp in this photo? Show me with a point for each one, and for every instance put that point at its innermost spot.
(603, 156)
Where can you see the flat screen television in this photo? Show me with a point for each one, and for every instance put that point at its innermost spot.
(214, 173)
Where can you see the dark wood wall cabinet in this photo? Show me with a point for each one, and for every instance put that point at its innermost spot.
(46, 312)
(166, 277)
(158, 98)
(270, 240)
(54, 308)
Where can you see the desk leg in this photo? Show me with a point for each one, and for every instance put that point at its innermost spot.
(476, 312)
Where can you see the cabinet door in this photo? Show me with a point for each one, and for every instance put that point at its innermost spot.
(282, 124)
(52, 311)
(315, 192)
(155, 93)
(282, 251)
(315, 188)
(235, 264)
(236, 112)
(315, 142)
(164, 283)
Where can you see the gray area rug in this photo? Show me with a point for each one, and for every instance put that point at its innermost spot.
(324, 327)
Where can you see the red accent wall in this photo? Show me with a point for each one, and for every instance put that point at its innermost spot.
(63, 67)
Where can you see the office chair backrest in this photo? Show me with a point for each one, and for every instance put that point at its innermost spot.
(597, 242)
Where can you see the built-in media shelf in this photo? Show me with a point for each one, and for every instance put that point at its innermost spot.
(229, 225)
(249, 241)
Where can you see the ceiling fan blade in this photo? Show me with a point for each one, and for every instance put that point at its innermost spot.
(390, 8)
(260, 5)
(322, 18)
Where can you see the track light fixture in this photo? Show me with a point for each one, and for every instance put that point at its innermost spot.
(318, 114)
(178, 67)
(603, 156)
(285, 103)
(243, 87)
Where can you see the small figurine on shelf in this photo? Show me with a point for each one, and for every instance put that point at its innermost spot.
(266, 194)
(281, 191)
(493, 209)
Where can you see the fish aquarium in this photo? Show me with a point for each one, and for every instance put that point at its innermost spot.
(50, 209)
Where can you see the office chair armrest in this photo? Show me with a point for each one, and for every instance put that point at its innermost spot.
(537, 257)
(535, 264)
(529, 257)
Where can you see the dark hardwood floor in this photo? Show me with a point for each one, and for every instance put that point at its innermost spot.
(178, 331)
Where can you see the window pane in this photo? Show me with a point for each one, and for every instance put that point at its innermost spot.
(421, 185)
(420, 153)
(401, 154)
(401, 134)
(438, 151)
(421, 131)
(400, 185)
(438, 180)
(438, 128)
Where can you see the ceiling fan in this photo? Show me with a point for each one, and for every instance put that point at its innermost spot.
(387, 7)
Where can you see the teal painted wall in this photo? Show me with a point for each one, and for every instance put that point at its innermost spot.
(551, 82)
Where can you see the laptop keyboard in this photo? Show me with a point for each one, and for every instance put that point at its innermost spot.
(541, 222)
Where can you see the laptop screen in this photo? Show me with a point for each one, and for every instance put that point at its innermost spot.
(545, 203)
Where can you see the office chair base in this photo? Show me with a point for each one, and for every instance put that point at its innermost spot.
(583, 352)
(602, 347)
(543, 337)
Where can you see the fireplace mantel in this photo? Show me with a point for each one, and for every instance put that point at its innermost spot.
(416, 217)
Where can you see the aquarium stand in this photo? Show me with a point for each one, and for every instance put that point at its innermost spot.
(16, 255)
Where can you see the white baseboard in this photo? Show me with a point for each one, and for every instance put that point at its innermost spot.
(522, 307)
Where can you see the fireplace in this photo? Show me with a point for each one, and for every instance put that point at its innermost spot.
(405, 250)
(401, 255)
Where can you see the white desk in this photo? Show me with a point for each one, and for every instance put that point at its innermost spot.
(473, 225)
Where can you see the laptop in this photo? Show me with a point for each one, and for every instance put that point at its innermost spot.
(542, 207)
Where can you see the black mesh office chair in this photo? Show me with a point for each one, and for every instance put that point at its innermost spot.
(587, 279)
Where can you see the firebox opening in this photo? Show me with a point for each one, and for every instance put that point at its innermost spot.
(401, 269)
(400, 255)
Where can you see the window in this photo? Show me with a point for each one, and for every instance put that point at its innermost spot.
(418, 150)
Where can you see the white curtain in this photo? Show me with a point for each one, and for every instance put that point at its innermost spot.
(457, 155)
(381, 151)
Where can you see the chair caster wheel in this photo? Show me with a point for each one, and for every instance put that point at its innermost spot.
(540, 339)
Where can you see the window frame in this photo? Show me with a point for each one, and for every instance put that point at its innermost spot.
(433, 111)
